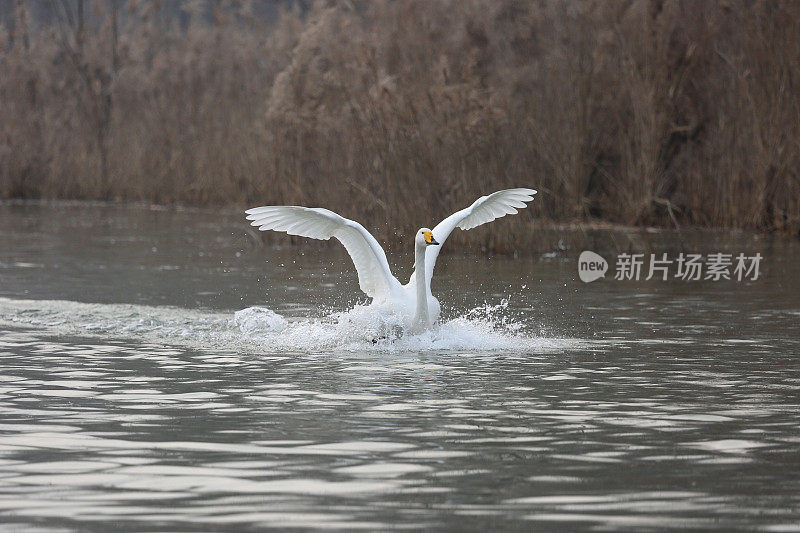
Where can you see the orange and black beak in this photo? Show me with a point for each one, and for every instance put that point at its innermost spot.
(429, 238)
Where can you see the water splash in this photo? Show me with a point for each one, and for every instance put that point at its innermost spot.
(380, 328)
(488, 328)
(259, 320)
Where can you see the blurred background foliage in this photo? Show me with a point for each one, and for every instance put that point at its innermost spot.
(395, 113)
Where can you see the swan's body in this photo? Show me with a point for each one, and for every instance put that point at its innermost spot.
(413, 300)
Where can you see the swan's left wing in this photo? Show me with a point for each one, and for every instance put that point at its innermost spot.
(483, 210)
(374, 276)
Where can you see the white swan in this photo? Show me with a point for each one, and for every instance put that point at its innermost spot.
(414, 299)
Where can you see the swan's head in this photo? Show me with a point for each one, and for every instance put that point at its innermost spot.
(424, 237)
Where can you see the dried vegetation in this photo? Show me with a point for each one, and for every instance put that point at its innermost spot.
(638, 112)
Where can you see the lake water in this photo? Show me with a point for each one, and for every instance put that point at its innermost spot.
(160, 371)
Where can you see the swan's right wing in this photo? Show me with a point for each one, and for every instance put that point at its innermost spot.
(374, 276)
(483, 210)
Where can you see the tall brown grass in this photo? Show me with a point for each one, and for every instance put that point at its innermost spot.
(395, 112)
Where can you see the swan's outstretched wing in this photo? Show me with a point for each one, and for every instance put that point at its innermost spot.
(483, 210)
(374, 276)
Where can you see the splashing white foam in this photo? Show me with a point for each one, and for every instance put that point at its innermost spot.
(363, 328)
(259, 320)
(376, 327)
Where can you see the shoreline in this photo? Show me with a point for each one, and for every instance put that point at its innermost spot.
(549, 224)
(549, 238)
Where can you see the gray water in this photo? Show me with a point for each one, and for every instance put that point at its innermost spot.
(134, 397)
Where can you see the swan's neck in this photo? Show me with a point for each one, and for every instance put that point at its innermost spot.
(421, 320)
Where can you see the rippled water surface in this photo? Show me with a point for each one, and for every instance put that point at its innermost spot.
(161, 372)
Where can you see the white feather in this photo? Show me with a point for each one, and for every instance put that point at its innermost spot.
(374, 275)
(484, 209)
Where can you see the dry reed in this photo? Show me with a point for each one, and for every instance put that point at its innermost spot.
(635, 112)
